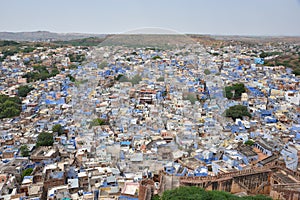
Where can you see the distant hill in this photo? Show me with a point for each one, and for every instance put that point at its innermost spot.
(45, 36)
(138, 39)
(91, 41)
(148, 40)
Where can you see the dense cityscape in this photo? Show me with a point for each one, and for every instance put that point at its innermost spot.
(88, 120)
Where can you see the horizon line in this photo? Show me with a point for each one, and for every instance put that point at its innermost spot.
(169, 33)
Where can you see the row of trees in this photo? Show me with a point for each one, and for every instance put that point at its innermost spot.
(4, 43)
(10, 48)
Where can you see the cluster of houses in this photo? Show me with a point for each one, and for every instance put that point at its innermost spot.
(143, 113)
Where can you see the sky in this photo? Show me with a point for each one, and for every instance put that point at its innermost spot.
(217, 17)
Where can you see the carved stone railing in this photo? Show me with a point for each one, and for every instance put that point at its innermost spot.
(228, 175)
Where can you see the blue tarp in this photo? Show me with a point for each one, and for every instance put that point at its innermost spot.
(270, 120)
(259, 61)
(55, 102)
(125, 143)
(127, 198)
(197, 172)
(122, 155)
(265, 113)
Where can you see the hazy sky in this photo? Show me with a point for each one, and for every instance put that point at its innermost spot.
(237, 17)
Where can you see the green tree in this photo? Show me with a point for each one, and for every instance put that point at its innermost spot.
(72, 79)
(155, 197)
(41, 73)
(16, 100)
(207, 72)
(79, 82)
(45, 139)
(72, 66)
(57, 128)
(235, 91)
(9, 106)
(237, 111)
(77, 58)
(296, 72)
(9, 109)
(267, 54)
(10, 112)
(54, 72)
(156, 57)
(8, 43)
(24, 151)
(9, 103)
(160, 79)
(24, 90)
(27, 172)
(98, 122)
(182, 193)
(196, 193)
(27, 50)
(119, 77)
(136, 79)
(191, 97)
(103, 65)
(122, 78)
(249, 142)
